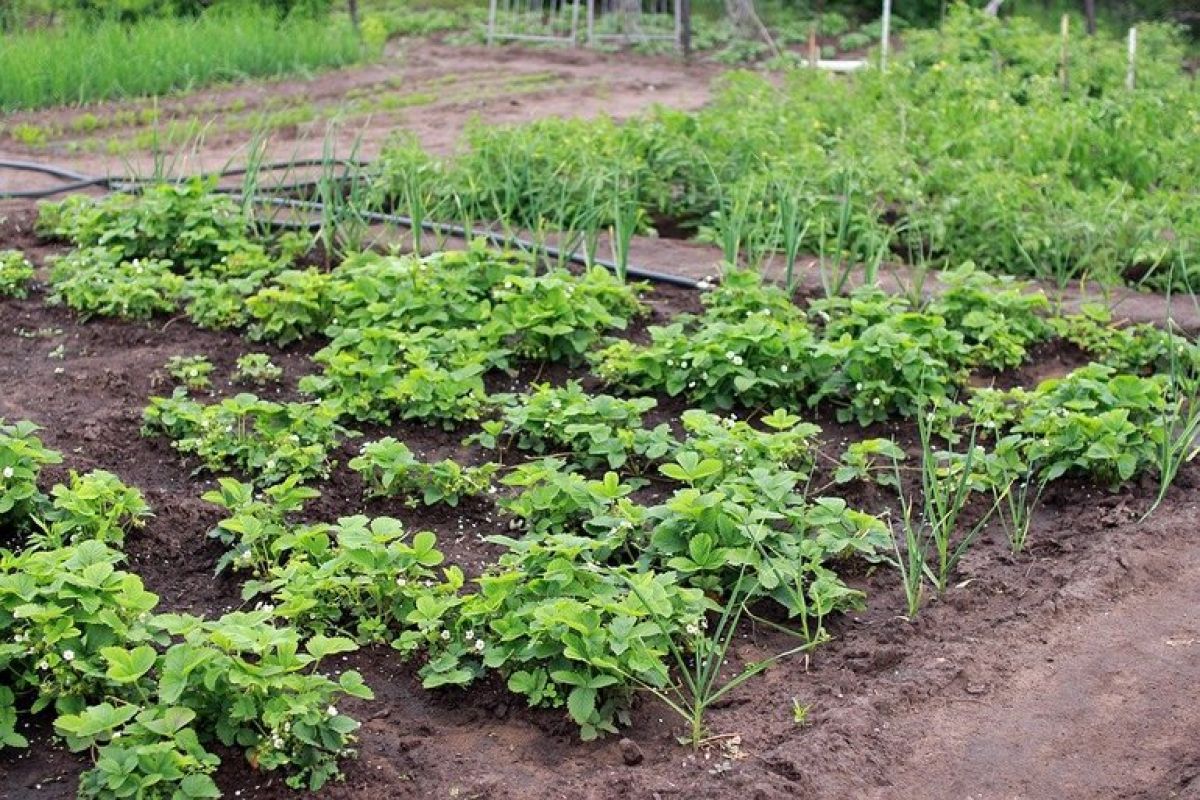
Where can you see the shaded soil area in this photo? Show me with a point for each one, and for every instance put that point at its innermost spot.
(1067, 671)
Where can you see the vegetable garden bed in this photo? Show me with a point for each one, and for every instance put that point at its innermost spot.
(732, 414)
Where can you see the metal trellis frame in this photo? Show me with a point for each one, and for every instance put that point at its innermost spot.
(550, 21)
(635, 21)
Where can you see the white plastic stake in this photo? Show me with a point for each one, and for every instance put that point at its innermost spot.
(886, 35)
(1131, 73)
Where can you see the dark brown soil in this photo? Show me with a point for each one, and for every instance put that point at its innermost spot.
(1069, 671)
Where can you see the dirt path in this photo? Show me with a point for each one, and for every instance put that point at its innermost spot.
(428, 89)
(1105, 704)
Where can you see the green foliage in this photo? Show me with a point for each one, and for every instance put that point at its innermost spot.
(259, 532)
(257, 369)
(757, 536)
(742, 349)
(870, 461)
(595, 430)
(366, 579)
(187, 224)
(96, 282)
(15, 274)
(389, 469)
(191, 371)
(22, 457)
(265, 440)
(96, 506)
(84, 62)
(737, 448)
(564, 629)
(1135, 349)
(296, 304)
(557, 316)
(892, 366)
(1093, 422)
(998, 317)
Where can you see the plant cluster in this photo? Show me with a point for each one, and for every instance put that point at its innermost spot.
(257, 369)
(594, 430)
(390, 469)
(266, 440)
(15, 274)
(191, 371)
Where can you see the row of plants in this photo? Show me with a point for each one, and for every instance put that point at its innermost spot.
(976, 144)
(148, 695)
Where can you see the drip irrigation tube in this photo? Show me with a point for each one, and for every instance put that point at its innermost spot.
(74, 181)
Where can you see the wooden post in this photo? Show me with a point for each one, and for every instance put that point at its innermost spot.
(1131, 72)
(884, 42)
(814, 52)
(491, 23)
(1089, 13)
(1063, 73)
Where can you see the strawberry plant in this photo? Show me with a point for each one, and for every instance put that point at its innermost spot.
(366, 582)
(389, 469)
(293, 306)
(734, 447)
(998, 317)
(257, 369)
(377, 373)
(22, 457)
(259, 532)
(889, 367)
(1094, 421)
(551, 498)
(759, 528)
(265, 440)
(59, 610)
(96, 506)
(596, 430)
(186, 224)
(97, 282)
(15, 274)
(870, 461)
(191, 371)
(741, 351)
(565, 629)
(557, 316)
(1136, 349)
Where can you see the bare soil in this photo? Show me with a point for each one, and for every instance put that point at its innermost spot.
(424, 88)
(1069, 671)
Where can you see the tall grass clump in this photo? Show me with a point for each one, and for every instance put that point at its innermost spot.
(105, 60)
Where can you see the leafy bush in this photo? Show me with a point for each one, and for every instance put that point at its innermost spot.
(998, 317)
(297, 304)
(15, 274)
(96, 506)
(22, 457)
(595, 429)
(741, 350)
(257, 369)
(96, 281)
(268, 441)
(389, 469)
(186, 224)
(259, 532)
(729, 447)
(1093, 422)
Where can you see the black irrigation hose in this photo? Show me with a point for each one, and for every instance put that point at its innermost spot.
(490, 236)
(76, 181)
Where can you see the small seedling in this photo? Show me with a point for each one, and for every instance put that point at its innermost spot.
(191, 371)
(257, 369)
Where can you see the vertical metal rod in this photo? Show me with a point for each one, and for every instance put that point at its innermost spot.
(685, 27)
(591, 22)
(575, 24)
(491, 37)
(884, 42)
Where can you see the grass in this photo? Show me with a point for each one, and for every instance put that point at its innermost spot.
(83, 64)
